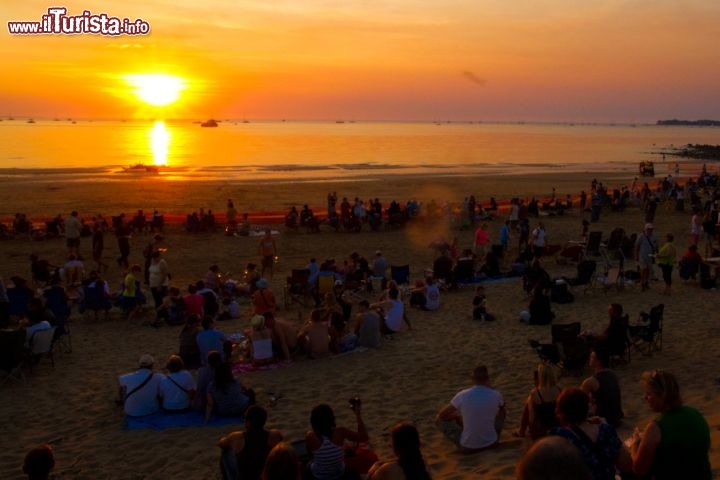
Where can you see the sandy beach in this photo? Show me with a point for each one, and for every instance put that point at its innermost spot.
(408, 378)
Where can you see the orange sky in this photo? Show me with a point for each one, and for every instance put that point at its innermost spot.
(544, 60)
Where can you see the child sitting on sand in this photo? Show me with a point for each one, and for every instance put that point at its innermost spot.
(480, 306)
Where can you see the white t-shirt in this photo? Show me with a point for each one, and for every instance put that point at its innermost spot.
(539, 237)
(432, 297)
(394, 315)
(144, 401)
(478, 405)
(173, 397)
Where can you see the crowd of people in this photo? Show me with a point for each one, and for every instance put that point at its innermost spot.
(584, 417)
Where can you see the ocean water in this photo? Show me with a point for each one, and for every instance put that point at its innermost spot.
(318, 151)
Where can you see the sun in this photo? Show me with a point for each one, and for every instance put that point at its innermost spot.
(156, 89)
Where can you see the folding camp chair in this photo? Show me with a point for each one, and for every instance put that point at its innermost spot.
(592, 248)
(297, 287)
(570, 253)
(647, 335)
(400, 274)
(41, 345)
(567, 351)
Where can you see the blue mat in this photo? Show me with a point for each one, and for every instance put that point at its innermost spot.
(161, 421)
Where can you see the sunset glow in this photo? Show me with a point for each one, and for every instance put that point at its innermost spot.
(547, 60)
(156, 89)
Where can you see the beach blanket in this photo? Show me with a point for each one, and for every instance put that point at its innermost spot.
(161, 421)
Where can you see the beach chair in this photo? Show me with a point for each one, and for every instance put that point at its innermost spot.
(41, 346)
(297, 287)
(95, 299)
(400, 274)
(12, 347)
(326, 284)
(567, 351)
(57, 303)
(592, 248)
(618, 341)
(647, 334)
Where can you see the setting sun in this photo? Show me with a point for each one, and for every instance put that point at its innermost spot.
(156, 89)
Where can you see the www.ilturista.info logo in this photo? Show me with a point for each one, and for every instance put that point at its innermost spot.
(58, 22)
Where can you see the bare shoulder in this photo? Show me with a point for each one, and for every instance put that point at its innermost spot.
(387, 471)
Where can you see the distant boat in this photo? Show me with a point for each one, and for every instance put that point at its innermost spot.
(141, 168)
(339, 121)
(209, 123)
(31, 121)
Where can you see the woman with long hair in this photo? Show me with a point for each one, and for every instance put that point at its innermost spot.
(676, 444)
(409, 464)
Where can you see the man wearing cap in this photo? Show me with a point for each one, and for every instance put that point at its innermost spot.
(148, 251)
(473, 419)
(646, 246)
(139, 390)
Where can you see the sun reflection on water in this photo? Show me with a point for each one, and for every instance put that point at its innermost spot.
(160, 143)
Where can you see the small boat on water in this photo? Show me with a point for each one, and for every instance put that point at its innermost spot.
(209, 123)
(31, 121)
(142, 168)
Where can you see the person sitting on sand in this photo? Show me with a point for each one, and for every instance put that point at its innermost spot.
(601, 448)
(394, 310)
(539, 411)
(604, 388)
(539, 311)
(676, 443)
(326, 440)
(188, 348)
(226, 397)
(367, 326)
(139, 390)
(177, 388)
(409, 463)
(474, 417)
(172, 308)
(39, 462)
(205, 375)
(194, 302)
(261, 351)
(480, 311)
(243, 229)
(426, 295)
(210, 338)
(244, 452)
(314, 336)
(263, 299)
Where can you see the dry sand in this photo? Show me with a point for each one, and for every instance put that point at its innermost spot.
(408, 378)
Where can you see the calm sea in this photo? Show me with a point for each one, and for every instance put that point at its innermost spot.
(317, 151)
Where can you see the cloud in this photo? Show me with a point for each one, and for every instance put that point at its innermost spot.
(474, 78)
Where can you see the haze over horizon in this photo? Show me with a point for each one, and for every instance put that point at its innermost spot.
(529, 60)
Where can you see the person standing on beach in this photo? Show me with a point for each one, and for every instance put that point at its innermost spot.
(666, 260)
(645, 248)
(538, 240)
(231, 217)
(267, 250)
(123, 233)
(481, 240)
(98, 245)
(73, 227)
(474, 417)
